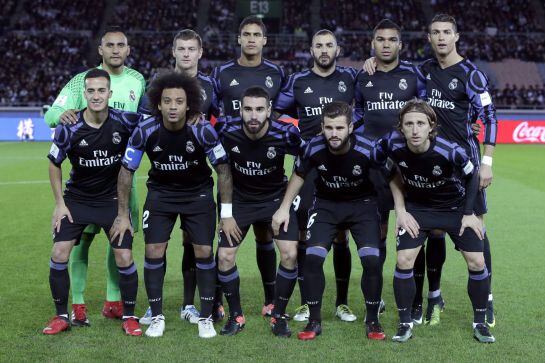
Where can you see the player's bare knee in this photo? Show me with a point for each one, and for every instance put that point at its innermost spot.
(123, 257)
(61, 251)
(202, 251)
(155, 250)
(226, 258)
(288, 256)
(405, 260)
(475, 261)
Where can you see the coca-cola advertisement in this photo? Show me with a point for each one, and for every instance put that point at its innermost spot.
(519, 132)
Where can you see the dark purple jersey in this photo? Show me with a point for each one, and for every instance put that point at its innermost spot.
(340, 177)
(179, 170)
(257, 166)
(306, 93)
(94, 153)
(379, 97)
(231, 79)
(459, 94)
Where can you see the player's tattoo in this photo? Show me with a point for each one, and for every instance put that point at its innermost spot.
(225, 182)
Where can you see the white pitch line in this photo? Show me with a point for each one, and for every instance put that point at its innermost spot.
(29, 182)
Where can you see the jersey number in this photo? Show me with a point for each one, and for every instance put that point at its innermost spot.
(311, 220)
(296, 203)
(145, 217)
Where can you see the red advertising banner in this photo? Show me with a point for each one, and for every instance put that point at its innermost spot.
(519, 132)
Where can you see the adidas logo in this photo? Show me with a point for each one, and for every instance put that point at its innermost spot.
(322, 167)
(369, 84)
(309, 90)
(233, 83)
(428, 77)
(235, 150)
(157, 149)
(403, 164)
(83, 143)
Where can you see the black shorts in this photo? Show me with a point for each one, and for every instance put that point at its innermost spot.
(258, 214)
(448, 221)
(197, 218)
(83, 214)
(327, 217)
(385, 200)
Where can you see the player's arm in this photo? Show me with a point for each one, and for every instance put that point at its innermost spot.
(404, 220)
(217, 156)
(67, 103)
(467, 169)
(284, 103)
(131, 161)
(479, 95)
(56, 156)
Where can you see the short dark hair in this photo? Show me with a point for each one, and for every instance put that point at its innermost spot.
(172, 79)
(112, 29)
(444, 18)
(336, 109)
(252, 19)
(187, 34)
(97, 73)
(421, 106)
(387, 24)
(323, 32)
(257, 92)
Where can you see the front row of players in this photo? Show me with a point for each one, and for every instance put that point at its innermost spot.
(433, 182)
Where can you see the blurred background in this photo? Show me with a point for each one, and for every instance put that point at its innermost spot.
(46, 42)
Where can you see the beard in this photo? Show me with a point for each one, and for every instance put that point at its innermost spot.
(330, 63)
(254, 130)
(342, 144)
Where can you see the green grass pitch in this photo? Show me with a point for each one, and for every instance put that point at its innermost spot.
(515, 225)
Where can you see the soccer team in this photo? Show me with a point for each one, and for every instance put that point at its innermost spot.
(391, 136)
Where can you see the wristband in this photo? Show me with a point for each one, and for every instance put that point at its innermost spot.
(487, 160)
(226, 210)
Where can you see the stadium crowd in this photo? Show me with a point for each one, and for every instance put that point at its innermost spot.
(485, 41)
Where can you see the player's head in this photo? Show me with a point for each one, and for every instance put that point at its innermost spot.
(252, 36)
(386, 41)
(114, 47)
(175, 96)
(255, 109)
(443, 34)
(187, 49)
(324, 49)
(417, 122)
(97, 89)
(337, 124)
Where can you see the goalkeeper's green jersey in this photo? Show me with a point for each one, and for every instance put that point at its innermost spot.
(127, 90)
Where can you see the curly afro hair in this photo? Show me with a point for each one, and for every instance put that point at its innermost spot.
(190, 85)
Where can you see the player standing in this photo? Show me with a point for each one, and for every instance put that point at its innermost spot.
(187, 50)
(304, 96)
(440, 184)
(458, 93)
(232, 78)
(94, 146)
(128, 87)
(179, 184)
(344, 199)
(256, 146)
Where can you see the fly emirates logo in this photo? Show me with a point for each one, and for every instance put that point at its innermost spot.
(100, 158)
(175, 163)
(435, 100)
(317, 111)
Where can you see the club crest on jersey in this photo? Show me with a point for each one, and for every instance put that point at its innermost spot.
(203, 95)
(271, 153)
(132, 95)
(453, 84)
(357, 170)
(269, 82)
(437, 170)
(116, 138)
(189, 147)
(342, 87)
(403, 84)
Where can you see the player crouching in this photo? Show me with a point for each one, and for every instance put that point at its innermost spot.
(440, 184)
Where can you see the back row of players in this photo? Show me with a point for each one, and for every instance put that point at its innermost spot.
(454, 88)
